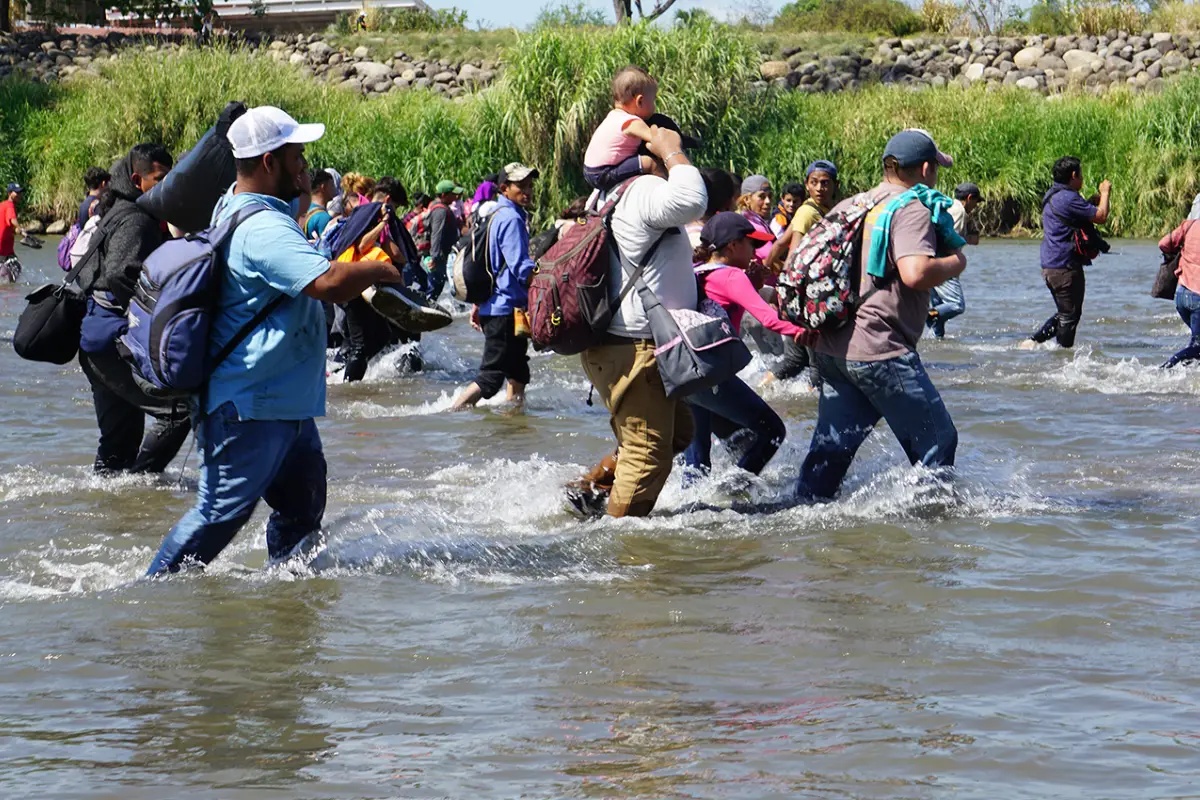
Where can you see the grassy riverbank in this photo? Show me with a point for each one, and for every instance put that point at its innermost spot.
(555, 89)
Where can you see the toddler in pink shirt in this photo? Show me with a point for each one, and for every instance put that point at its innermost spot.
(612, 154)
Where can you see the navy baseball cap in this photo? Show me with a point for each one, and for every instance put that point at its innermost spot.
(15, 187)
(965, 190)
(914, 146)
(729, 226)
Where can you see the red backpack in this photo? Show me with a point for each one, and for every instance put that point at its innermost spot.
(571, 295)
(418, 227)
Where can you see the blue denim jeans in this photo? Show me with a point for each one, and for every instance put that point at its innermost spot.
(280, 461)
(736, 402)
(854, 396)
(948, 301)
(1187, 303)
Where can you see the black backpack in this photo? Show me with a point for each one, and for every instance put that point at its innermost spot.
(473, 280)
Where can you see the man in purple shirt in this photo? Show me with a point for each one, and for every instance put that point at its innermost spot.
(502, 318)
(1065, 212)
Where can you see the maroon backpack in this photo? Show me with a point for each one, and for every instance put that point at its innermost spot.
(571, 297)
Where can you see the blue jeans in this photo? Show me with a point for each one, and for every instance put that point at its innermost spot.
(854, 395)
(437, 276)
(280, 461)
(736, 402)
(948, 301)
(1187, 303)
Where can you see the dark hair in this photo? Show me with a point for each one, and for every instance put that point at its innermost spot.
(721, 186)
(1065, 168)
(577, 209)
(95, 177)
(794, 189)
(143, 157)
(318, 178)
(393, 189)
(492, 177)
(420, 199)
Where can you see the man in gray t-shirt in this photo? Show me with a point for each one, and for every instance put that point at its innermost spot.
(869, 368)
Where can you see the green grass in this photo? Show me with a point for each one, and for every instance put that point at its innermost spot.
(555, 90)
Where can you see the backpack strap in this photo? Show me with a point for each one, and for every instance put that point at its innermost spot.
(634, 277)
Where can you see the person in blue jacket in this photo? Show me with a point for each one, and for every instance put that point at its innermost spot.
(502, 318)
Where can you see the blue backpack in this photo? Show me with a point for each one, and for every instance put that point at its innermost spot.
(173, 304)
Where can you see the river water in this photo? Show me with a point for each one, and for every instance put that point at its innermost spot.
(1030, 630)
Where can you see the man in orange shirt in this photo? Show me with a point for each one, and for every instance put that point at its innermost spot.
(10, 267)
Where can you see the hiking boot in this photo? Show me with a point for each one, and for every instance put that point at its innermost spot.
(587, 496)
(406, 309)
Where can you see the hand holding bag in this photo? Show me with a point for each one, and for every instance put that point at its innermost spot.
(1166, 281)
(49, 327)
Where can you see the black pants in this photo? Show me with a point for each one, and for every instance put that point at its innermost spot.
(367, 333)
(121, 409)
(795, 360)
(1066, 286)
(504, 355)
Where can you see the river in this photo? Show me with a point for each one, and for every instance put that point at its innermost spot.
(1030, 630)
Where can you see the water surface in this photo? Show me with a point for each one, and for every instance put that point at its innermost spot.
(1029, 630)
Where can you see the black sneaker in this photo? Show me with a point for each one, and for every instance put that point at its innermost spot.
(586, 503)
(406, 309)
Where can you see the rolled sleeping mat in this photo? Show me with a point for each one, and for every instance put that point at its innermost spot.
(187, 196)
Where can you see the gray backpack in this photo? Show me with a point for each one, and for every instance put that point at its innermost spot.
(694, 349)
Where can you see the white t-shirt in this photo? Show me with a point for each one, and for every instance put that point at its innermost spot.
(650, 206)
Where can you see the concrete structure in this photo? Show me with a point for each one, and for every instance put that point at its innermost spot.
(292, 14)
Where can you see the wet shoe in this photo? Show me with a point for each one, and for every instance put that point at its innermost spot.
(586, 503)
(406, 309)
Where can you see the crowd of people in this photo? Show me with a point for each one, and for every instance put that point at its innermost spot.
(314, 269)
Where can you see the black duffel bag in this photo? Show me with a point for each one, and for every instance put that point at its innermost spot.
(49, 327)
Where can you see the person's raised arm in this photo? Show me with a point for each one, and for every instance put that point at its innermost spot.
(926, 272)
(1102, 209)
(345, 280)
(682, 199)
(369, 238)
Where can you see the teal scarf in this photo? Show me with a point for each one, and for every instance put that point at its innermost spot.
(939, 208)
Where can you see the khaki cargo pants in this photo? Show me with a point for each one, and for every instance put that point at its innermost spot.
(651, 429)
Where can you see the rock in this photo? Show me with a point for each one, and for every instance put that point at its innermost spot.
(401, 83)
(422, 83)
(320, 51)
(973, 72)
(796, 60)
(362, 52)
(1155, 70)
(1028, 83)
(443, 77)
(409, 75)
(1147, 56)
(937, 82)
(1115, 64)
(334, 59)
(36, 227)
(1048, 61)
(908, 45)
(278, 45)
(1155, 85)
(469, 73)
(1156, 38)
(57, 228)
(297, 58)
(1078, 60)
(350, 84)
(770, 70)
(372, 69)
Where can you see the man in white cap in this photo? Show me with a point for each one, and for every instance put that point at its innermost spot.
(869, 367)
(255, 422)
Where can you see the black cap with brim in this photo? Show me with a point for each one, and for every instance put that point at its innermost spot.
(663, 121)
(728, 226)
(965, 190)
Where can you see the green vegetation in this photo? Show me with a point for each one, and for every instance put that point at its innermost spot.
(456, 46)
(855, 16)
(556, 89)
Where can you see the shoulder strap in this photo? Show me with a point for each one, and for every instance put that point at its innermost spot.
(224, 232)
(634, 277)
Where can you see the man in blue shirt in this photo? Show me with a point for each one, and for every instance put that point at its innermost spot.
(1064, 213)
(502, 318)
(258, 439)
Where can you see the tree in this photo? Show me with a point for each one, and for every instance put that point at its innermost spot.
(624, 10)
(566, 15)
(5, 25)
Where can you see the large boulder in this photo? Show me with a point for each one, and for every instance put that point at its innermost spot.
(1079, 60)
(973, 72)
(1029, 83)
(370, 71)
(56, 228)
(1027, 57)
(362, 52)
(444, 77)
(1049, 61)
(319, 51)
(770, 70)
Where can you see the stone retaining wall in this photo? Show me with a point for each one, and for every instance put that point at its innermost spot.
(53, 57)
(1045, 64)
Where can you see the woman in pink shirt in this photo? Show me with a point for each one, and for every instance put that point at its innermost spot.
(1185, 240)
(727, 245)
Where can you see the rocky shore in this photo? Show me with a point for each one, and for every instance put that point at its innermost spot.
(1044, 64)
(51, 57)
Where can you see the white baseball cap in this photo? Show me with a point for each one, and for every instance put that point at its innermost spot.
(266, 128)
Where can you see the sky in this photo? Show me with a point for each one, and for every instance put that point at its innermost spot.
(520, 13)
